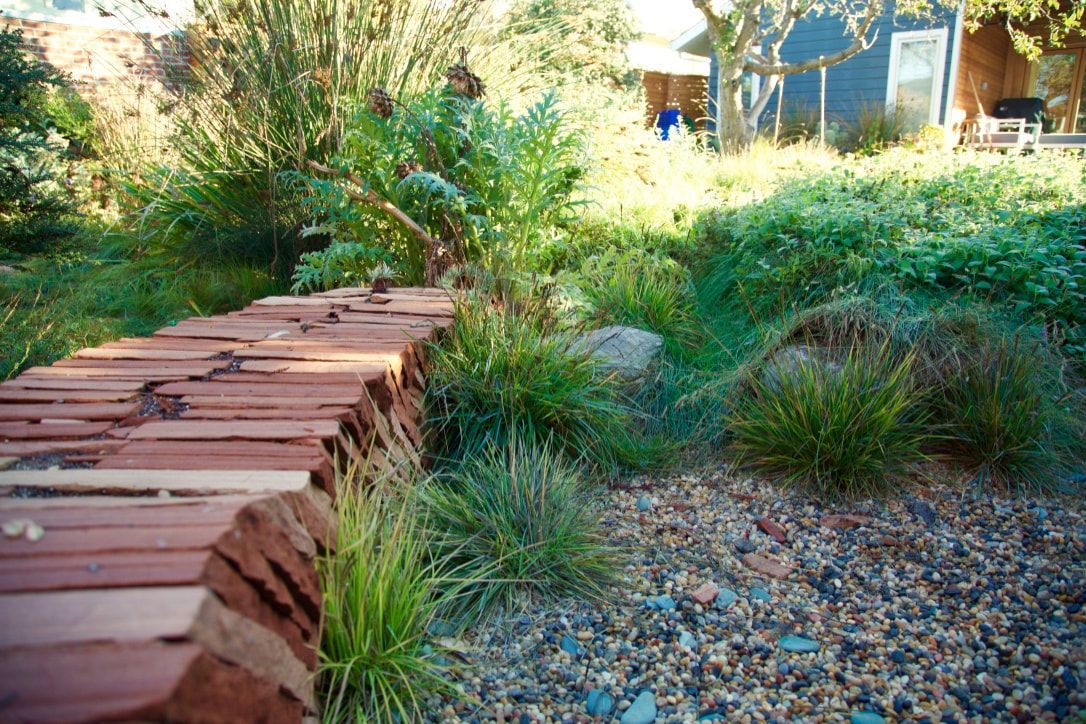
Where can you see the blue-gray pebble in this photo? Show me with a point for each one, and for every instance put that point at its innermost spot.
(642, 711)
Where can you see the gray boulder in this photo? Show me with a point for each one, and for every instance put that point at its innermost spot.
(627, 351)
(786, 361)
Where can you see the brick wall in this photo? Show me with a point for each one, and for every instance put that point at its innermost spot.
(93, 55)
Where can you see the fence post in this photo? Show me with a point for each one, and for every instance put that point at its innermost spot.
(822, 107)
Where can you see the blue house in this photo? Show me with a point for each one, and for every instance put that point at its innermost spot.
(932, 72)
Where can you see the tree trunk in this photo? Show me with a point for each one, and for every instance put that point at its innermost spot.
(733, 131)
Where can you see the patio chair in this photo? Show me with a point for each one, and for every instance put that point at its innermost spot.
(1014, 123)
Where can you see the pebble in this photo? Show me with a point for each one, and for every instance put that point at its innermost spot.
(978, 616)
(798, 644)
(570, 645)
(865, 717)
(643, 503)
(725, 598)
(599, 703)
(642, 711)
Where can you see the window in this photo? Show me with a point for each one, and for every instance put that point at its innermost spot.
(77, 6)
(914, 87)
(1059, 79)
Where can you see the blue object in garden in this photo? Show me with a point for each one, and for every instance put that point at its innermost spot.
(666, 121)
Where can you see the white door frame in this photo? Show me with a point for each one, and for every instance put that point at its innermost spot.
(896, 41)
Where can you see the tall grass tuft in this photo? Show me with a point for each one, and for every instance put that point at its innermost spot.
(516, 521)
(839, 428)
(273, 84)
(509, 371)
(380, 595)
(1003, 421)
(647, 292)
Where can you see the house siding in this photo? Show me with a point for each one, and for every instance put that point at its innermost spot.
(858, 81)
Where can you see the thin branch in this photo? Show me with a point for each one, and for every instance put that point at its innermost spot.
(371, 198)
(860, 42)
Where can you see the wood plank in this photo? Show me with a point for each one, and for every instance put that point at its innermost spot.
(137, 615)
(38, 383)
(290, 302)
(226, 386)
(24, 394)
(175, 343)
(180, 482)
(149, 374)
(72, 411)
(375, 356)
(146, 681)
(216, 430)
(126, 364)
(142, 353)
(24, 431)
(265, 413)
(41, 447)
(236, 401)
(360, 368)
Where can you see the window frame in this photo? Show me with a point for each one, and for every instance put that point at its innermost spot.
(897, 40)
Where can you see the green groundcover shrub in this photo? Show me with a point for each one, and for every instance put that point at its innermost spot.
(37, 206)
(1009, 230)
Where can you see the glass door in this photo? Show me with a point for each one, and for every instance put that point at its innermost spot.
(915, 84)
(1057, 79)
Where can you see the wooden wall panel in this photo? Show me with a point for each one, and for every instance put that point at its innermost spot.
(688, 93)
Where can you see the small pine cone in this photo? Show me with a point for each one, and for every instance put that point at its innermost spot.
(380, 103)
(464, 82)
(406, 168)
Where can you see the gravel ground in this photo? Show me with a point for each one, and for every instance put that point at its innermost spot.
(934, 607)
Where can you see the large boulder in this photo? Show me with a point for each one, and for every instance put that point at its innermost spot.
(626, 351)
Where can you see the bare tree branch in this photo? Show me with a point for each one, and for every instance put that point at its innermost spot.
(860, 42)
(371, 198)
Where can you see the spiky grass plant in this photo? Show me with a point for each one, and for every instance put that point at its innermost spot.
(517, 523)
(1006, 423)
(509, 371)
(380, 595)
(839, 428)
(643, 291)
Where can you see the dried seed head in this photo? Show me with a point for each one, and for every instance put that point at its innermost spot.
(464, 82)
(406, 168)
(380, 103)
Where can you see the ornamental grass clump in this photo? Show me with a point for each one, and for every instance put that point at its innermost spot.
(517, 524)
(1008, 422)
(840, 426)
(381, 592)
(508, 370)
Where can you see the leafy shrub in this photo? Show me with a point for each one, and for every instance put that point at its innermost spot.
(1007, 420)
(517, 521)
(380, 595)
(1008, 230)
(639, 290)
(497, 185)
(35, 206)
(839, 426)
(340, 264)
(511, 372)
(272, 84)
